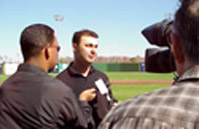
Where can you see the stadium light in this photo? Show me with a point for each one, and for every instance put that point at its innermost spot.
(58, 19)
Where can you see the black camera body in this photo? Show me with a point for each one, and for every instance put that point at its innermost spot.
(159, 60)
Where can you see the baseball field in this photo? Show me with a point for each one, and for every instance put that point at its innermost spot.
(126, 85)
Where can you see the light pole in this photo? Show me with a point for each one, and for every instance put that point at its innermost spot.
(58, 19)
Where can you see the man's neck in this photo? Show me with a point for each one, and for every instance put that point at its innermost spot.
(38, 63)
(81, 68)
(186, 65)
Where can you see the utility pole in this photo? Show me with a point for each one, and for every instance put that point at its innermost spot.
(58, 19)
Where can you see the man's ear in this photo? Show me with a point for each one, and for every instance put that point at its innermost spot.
(74, 47)
(178, 51)
(46, 52)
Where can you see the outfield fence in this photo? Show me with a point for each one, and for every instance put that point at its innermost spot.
(10, 68)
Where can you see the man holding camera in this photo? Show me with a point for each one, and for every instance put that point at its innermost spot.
(81, 75)
(174, 107)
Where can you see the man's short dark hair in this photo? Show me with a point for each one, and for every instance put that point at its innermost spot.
(34, 38)
(77, 35)
(186, 25)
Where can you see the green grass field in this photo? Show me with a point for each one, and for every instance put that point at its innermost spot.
(126, 76)
(138, 76)
(3, 77)
(123, 92)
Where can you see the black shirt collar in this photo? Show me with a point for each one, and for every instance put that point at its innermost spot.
(72, 71)
(31, 68)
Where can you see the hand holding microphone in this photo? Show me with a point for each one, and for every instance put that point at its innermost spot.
(102, 88)
(88, 95)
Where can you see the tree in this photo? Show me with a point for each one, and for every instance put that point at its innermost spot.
(133, 60)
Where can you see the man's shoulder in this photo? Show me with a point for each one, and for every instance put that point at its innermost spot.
(98, 72)
(56, 84)
(63, 74)
(156, 95)
(132, 106)
(165, 104)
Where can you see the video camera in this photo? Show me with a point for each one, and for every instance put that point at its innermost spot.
(159, 60)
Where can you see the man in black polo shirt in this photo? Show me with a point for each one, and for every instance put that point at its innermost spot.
(30, 99)
(81, 75)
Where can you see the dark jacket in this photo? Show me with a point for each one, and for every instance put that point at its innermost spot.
(30, 99)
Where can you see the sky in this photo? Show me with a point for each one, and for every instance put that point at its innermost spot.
(118, 23)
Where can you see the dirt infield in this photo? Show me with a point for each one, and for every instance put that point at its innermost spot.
(136, 82)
